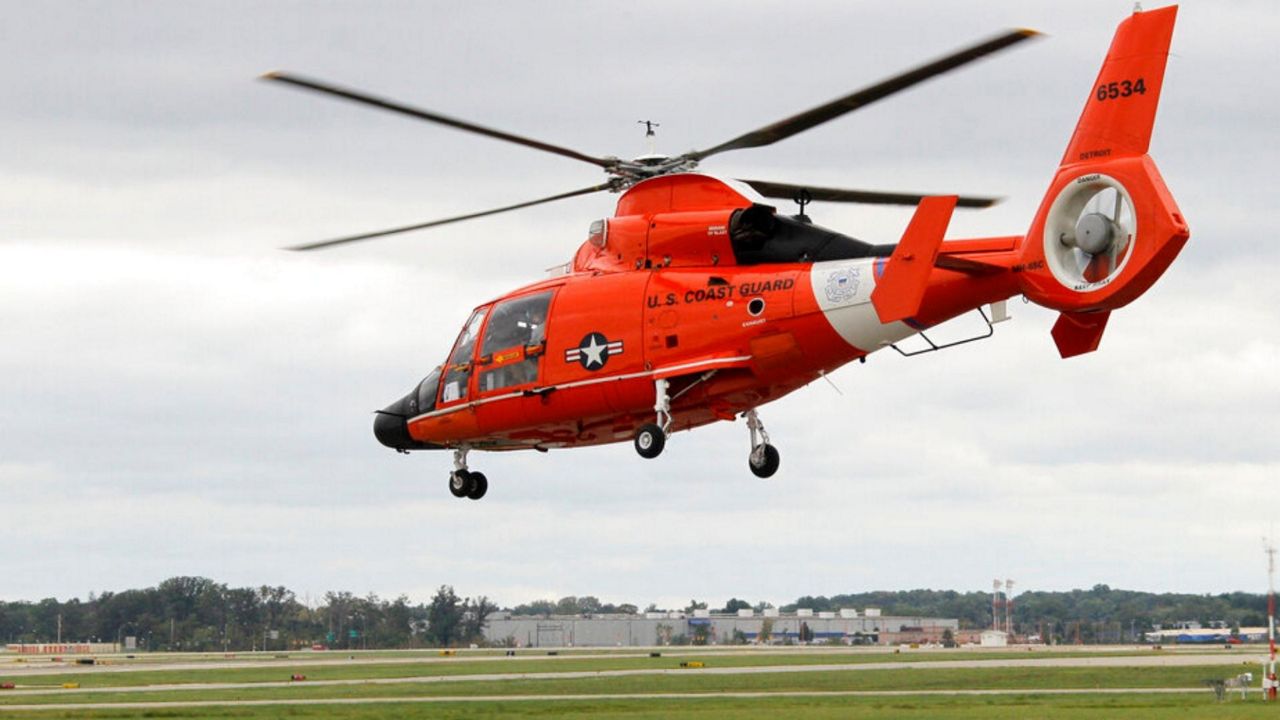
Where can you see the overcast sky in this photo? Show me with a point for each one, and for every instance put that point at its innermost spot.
(181, 397)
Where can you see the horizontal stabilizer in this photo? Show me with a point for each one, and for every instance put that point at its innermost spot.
(969, 266)
(900, 289)
(1079, 333)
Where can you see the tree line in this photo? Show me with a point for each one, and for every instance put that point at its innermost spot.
(199, 614)
(1100, 614)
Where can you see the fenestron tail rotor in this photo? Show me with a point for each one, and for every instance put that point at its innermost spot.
(1094, 240)
(625, 173)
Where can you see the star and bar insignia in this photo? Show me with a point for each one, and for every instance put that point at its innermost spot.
(594, 351)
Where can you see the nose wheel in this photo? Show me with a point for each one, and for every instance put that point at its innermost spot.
(464, 483)
(764, 459)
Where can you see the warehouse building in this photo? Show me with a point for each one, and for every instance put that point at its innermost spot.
(866, 627)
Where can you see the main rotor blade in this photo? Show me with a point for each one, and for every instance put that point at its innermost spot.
(789, 191)
(421, 114)
(783, 129)
(446, 221)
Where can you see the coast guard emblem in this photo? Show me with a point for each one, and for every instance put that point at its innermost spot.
(842, 284)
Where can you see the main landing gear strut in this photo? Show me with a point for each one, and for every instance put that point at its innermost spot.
(764, 458)
(463, 482)
(651, 438)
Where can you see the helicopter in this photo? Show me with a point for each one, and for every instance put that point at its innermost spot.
(697, 301)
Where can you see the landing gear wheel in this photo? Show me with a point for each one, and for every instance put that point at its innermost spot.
(650, 440)
(764, 461)
(479, 486)
(460, 483)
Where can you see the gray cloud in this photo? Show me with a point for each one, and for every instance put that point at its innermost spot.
(182, 398)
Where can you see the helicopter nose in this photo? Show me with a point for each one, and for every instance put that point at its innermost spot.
(392, 430)
(391, 425)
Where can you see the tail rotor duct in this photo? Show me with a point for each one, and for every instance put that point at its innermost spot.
(1089, 232)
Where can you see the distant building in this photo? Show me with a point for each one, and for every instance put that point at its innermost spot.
(994, 638)
(643, 630)
(79, 648)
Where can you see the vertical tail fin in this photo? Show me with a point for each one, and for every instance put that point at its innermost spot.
(1108, 227)
(1121, 109)
(900, 290)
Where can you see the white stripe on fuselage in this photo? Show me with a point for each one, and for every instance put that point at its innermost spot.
(665, 370)
(843, 291)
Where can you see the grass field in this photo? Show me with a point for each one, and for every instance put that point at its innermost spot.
(1138, 707)
(744, 684)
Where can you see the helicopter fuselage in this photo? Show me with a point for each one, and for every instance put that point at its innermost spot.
(694, 281)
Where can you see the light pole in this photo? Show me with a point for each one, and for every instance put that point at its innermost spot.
(1270, 670)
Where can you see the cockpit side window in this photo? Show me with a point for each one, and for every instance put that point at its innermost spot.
(428, 389)
(458, 369)
(514, 341)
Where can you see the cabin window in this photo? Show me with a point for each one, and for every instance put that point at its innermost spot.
(458, 369)
(514, 342)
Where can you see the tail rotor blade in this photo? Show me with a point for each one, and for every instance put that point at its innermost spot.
(1097, 268)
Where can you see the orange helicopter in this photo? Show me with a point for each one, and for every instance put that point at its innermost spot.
(697, 301)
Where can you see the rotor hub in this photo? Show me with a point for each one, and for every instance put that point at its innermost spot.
(629, 172)
(1094, 233)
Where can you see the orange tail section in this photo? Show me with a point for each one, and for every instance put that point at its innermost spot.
(901, 288)
(1121, 109)
(1108, 228)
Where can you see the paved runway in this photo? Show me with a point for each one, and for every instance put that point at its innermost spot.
(595, 698)
(1153, 660)
(42, 666)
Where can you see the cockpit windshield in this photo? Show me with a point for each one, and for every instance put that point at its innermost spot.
(458, 369)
